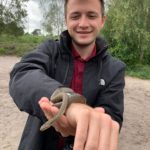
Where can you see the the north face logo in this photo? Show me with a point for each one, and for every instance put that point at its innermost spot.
(102, 82)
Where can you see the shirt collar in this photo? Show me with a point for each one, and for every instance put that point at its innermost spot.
(77, 56)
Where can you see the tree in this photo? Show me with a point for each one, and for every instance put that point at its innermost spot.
(53, 16)
(13, 29)
(37, 32)
(128, 30)
(12, 13)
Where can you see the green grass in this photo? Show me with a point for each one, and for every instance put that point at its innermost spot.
(22, 39)
(10, 45)
(139, 71)
(18, 49)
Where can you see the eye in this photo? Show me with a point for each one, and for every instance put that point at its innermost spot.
(75, 17)
(92, 15)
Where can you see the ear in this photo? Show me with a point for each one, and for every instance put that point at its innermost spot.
(104, 18)
(65, 19)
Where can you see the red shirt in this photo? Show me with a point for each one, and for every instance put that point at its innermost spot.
(79, 65)
(76, 83)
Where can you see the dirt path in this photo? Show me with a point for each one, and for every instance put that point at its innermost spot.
(135, 134)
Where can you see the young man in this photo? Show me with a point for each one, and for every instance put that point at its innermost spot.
(78, 61)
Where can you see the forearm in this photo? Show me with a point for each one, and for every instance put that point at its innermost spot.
(30, 80)
(26, 90)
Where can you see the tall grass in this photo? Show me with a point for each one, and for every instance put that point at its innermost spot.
(11, 45)
(139, 70)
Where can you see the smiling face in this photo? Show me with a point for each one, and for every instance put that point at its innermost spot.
(84, 21)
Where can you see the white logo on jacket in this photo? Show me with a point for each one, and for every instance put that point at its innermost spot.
(102, 82)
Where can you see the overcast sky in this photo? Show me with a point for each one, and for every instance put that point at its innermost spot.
(33, 20)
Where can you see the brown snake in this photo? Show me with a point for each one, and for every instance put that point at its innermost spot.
(62, 98)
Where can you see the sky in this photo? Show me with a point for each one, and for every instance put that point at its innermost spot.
(33, 20)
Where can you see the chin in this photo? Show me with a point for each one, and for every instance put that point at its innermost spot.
(83, 43)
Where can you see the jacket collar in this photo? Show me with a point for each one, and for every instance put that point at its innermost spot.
(65, 41)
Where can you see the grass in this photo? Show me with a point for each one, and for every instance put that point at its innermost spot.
(18, 49)
(22, 39)
(139, 71)
(10, 45)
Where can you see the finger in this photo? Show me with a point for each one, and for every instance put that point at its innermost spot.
(62, 121)
(43, 99)
(100, 109)
(105, 132)
(64, 131)
(114, 136)
(81, 131)
(93, 132)
(46, 106)
(62, 125)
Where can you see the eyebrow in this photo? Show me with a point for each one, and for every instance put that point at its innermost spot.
(89, 12)
(92, 12)
(74, 13)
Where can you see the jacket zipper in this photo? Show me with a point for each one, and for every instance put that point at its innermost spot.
(66, 73)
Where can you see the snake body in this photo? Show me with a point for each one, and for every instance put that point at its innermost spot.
(62, 98)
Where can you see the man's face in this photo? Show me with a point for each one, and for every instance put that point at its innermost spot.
(84, 20)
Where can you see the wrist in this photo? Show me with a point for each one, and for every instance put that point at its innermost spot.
(74, 112)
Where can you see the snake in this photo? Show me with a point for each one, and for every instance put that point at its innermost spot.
(62, 98)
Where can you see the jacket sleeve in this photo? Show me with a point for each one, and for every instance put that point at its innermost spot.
(31, 79)
(111, 97)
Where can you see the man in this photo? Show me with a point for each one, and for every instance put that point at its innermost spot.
(78, 61)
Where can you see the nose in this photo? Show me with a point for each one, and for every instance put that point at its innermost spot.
(83, 22)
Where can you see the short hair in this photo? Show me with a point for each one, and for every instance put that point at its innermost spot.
(101, 2)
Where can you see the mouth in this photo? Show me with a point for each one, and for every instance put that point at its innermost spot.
(83, 32)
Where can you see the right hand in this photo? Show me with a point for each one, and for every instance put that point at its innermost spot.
(62, 125)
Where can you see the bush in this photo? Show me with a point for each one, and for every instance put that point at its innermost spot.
(140, 71)
(127, 30)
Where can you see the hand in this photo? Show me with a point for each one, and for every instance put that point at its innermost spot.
(95, 130)
(62, 125)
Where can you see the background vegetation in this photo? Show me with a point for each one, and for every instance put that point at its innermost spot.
(127, 30)
(12, 45)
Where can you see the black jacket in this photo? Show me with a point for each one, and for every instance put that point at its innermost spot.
(50, 66)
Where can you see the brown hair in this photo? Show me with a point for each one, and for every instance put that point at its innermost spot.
(101, 2)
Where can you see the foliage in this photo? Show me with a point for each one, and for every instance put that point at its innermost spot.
(11, 15)
(37, 32)
(11, 45)
(53, 16)
(140, 71)
(128, 30)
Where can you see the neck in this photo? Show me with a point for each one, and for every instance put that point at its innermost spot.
(84, 51)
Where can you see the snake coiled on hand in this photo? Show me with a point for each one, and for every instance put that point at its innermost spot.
(62, 98)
